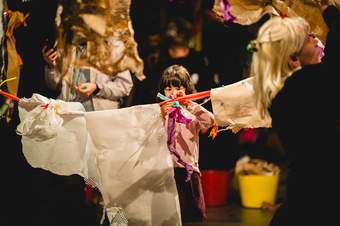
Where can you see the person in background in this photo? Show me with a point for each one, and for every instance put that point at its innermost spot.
(176, 49)
(96, 91)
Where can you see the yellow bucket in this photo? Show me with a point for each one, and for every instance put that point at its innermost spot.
(256, 189)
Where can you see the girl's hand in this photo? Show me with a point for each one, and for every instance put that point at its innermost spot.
(164, 109)
(86, 89)
(181, 93)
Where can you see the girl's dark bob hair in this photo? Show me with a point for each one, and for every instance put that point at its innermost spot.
(176, 76)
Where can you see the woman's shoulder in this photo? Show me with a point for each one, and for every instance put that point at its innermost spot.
(308, 84)
(306, 76)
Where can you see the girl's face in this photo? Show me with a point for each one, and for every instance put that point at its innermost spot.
(311, 52)
(174, 92)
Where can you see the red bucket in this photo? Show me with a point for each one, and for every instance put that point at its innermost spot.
(88, 194)
(216, 186)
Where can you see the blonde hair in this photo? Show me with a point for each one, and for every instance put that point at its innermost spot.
(278, 40)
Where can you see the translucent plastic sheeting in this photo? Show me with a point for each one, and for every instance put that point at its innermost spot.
(123, 152)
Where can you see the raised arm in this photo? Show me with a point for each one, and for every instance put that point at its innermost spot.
(52, 75)
(204, 118)
(113, 87)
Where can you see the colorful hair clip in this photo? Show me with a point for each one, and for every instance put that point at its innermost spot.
(253, 46)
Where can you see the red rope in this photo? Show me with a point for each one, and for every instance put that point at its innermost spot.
(8, 95)
(194, 96)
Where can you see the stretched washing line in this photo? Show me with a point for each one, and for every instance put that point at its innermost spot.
(194, 96)
(8, 95)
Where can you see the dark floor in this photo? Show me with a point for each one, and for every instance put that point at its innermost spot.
(234, 215)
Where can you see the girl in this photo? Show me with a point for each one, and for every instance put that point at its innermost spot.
(176, 82)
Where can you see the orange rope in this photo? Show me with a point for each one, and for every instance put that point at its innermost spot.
(8, 95)
(194, 96)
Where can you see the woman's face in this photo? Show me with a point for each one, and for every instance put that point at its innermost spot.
(311, 51)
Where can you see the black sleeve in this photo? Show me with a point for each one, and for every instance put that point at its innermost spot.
(332, 48)
(331, 15)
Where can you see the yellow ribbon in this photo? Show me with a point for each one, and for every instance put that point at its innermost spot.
(7, 112)
(7, 80)
(14, 60)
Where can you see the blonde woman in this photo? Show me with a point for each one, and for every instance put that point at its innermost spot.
(282, 47)
(300, 94)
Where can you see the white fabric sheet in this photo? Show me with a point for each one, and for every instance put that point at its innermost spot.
(123, 152)
(134, 164)
(51, 141)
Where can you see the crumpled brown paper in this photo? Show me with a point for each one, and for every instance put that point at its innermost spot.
(106, 29)
(248, 166)
(250, 11)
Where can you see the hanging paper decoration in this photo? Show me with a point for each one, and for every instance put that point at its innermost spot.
(310, 11)
(125, 157)
(247, 12)
(250, 11)
(104, 26)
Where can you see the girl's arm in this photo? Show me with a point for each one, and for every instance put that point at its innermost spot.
(204, 118)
